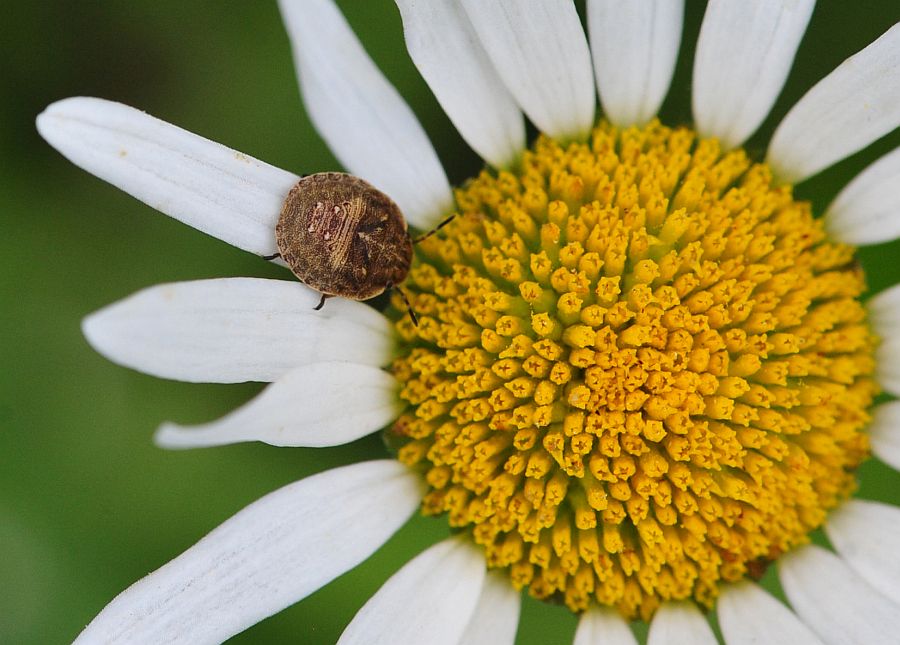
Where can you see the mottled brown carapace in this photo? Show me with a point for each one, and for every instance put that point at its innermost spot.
(343, 237)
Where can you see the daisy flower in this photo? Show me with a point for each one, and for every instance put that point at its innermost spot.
(642, 373)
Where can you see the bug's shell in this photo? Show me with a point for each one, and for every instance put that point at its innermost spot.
(343, 237)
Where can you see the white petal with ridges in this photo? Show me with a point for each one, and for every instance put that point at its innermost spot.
(603, 626)
(679, 622)
(867, 210)
(496, 616)
(539, 50)
(271, 554)
(430, 600)
(445, 49)
(884, 433)
(744, 54)
(867, 537)
(634, 46)
(361, 116)
(235, 329)
(850, 108)
(322, 404)
(748, 615)
(834, 601)
(215, 189)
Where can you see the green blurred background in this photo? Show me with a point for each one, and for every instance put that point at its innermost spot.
(87, 503)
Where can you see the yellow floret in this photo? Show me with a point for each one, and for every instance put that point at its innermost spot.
(641, 369)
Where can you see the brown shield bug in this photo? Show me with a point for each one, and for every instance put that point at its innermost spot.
(343, 237)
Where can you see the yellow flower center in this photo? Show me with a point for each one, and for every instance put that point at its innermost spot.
(640, 370)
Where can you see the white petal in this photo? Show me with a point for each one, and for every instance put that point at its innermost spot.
(539, 49)
(835, 601)
(430, 600)
(867, 210)
(750, 616)
(867, 536)
(634, 45)
(846, 111)
(445, 49)
(884, 315)
(884, 311)
(496, 616)
(204, 184)
(887, 364)
(323, 404)
(676, 623)
(884, 433)
(744, 54)
(603, 626)
(362, 118)
(273, 553)
(235, 329)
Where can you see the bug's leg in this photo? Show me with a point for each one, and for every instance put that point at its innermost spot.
(409, 309)
(425, 236)
(271, 257)
(321, 304)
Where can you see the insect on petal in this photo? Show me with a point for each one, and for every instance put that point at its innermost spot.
(364, 120)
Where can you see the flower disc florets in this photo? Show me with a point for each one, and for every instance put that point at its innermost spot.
(641, 369)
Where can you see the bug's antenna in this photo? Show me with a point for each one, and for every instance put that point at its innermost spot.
(425, 236)
(409, 309)
(271, 257)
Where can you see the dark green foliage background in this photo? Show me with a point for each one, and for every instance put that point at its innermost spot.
(87, 503)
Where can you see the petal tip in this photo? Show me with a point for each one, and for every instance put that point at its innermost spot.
(97, 331)
(48, 122)
(58, 111)
(171, 436)
(42, 121)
